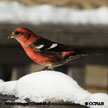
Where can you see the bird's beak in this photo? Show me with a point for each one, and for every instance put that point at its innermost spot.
(11, 36)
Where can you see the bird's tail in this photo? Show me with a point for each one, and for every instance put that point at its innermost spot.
(71, 55)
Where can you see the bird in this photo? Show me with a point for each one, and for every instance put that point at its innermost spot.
(43, 51)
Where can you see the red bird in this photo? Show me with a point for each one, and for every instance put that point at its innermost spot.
(45, 52)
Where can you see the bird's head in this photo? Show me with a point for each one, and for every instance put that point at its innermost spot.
(23, 35)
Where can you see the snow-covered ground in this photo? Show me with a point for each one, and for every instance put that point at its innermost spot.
(17, 13)
(51, 86)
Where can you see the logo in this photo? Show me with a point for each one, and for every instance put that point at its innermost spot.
(94, 103)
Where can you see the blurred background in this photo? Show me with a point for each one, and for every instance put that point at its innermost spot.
(78, 23)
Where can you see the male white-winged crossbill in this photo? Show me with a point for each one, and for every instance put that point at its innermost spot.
(45, 52)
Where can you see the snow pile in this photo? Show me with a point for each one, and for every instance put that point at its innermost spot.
(51, 86)
(16, 13)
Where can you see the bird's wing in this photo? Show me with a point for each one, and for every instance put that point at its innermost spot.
(47, 45)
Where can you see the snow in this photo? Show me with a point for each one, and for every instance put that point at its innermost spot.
(53, 86)
(16, 13)
(7, 88)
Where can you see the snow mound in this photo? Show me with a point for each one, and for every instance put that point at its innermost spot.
(17, 13)
(45, 86)
(50, 85)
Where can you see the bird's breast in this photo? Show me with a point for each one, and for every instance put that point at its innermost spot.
(37, 57)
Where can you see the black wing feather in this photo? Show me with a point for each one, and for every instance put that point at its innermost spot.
(47, 44)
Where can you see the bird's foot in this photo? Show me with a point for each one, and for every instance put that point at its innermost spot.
(47, 68)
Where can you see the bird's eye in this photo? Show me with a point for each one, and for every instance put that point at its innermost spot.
(17, 33)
